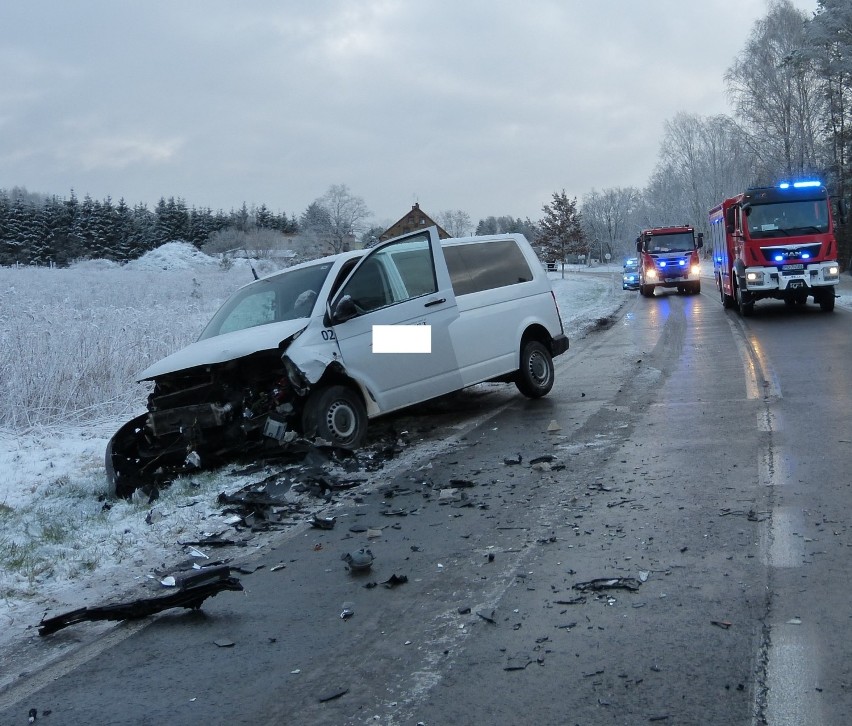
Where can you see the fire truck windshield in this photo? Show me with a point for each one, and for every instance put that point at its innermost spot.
(785, 219)
(679, 242)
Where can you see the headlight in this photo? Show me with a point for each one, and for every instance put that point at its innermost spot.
(833, 271)
(651, 274)
(696, 270)
(754, 277)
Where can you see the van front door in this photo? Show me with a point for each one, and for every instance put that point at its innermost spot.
(401, 283)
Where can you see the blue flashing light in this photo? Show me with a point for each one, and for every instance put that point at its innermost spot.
(681, 262)
(662, 264)
(779, 258)
(804, 184)
(805, 256)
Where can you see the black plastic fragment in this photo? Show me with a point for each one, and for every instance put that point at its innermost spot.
(194, 590)
(609, 583)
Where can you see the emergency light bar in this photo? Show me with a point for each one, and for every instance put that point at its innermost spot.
(800, 184)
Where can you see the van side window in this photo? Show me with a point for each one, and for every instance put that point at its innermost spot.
(397, 272)
(484, 266)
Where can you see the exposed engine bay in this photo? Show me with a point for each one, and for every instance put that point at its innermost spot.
(202, 416)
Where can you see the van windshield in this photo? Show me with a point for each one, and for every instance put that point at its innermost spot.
(286, 296)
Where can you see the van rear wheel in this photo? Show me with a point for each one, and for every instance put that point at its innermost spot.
(336, 414)
(535, 374)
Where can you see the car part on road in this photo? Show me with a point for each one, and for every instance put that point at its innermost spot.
(608, 583)
(194, 591)
(359, 560)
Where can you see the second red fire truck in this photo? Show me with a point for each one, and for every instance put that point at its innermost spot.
(775, 242)
(668, 257)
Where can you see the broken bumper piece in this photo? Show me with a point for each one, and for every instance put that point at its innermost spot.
(195, 589)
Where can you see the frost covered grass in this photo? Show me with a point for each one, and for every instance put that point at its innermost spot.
(69, 530)
(72, 341)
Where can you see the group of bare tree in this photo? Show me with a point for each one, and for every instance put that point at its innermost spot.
(791, 93)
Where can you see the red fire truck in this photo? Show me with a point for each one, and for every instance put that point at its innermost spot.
(668, 257)
(775, 242)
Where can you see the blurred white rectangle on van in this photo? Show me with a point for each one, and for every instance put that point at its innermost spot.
(402, 339)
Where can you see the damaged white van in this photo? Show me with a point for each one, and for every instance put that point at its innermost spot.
(320, 348)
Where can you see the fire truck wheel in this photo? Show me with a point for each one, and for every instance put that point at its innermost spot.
(746, 307)
(727, 300)
(826, 300)
(535, 374)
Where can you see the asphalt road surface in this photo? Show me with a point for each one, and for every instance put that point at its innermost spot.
(679, 556)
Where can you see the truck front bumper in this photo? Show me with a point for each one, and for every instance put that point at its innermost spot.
(793, 277)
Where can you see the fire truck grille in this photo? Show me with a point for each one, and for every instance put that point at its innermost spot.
(772, 254)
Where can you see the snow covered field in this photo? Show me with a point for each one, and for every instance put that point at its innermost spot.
(71, 343)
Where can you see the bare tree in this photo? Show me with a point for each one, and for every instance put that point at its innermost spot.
(346, 216)
(456, 222)
(702, 160)
(830, 49)
(606, 216)
(775, 93)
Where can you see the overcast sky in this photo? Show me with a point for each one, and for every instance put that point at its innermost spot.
(488, 106)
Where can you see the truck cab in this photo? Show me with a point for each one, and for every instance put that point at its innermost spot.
(668, 258)
(775, 243)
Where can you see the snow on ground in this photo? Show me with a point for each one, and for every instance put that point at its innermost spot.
(64, 544)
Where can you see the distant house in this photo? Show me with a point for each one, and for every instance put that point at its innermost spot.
(414, 220)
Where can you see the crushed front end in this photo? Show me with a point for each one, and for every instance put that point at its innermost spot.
(200, 417)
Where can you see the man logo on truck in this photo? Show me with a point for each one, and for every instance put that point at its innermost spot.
(775, 242)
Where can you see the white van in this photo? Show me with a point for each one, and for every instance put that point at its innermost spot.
(301, 350)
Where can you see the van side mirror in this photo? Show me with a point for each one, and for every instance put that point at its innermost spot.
(700, 240)
(344, 310)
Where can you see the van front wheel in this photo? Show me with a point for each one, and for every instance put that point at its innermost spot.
(337, 415)
(535, 374)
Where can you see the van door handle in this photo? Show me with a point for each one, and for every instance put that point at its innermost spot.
(435, 302)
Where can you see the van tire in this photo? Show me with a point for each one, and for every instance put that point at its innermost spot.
(336, 414)
(535, 374)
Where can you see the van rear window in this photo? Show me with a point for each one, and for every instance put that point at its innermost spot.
(486, 265)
